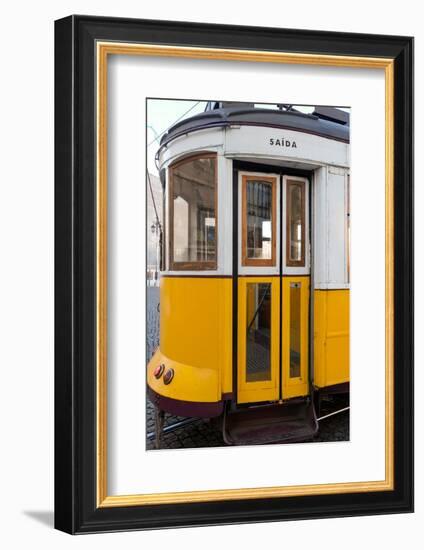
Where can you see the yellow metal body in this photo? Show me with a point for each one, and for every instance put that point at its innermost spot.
(294, 333)
(195, 338)
(331, 337)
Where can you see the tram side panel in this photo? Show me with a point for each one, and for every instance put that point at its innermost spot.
(331, 353)
(331, 277)
(195, 338)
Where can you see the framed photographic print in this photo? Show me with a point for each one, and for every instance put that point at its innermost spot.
(234, 274)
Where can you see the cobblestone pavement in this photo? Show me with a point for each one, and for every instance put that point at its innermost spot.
(206, 433)
(335, 428)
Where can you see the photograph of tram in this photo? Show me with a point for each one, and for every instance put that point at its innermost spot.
(248, 273)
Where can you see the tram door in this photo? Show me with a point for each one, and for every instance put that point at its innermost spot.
(273, 287)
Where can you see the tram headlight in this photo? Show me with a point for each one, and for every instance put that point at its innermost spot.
(168, 376)
(159, 370)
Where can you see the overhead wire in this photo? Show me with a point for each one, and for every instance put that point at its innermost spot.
(175, 122)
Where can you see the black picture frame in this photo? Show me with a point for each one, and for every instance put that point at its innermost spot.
(76, 509)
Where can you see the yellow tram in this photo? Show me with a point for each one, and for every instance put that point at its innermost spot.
(254, 286)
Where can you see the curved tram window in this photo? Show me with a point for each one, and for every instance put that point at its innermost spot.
(295, 223)
(193, 231)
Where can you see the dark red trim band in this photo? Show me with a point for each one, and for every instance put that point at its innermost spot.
(227, 396)
(343, 387)
(185, 408)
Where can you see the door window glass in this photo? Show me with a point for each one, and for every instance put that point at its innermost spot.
(258, 332)
(295, 317)
(259, 221)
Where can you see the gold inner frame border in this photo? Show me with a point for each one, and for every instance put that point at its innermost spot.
(103, 50)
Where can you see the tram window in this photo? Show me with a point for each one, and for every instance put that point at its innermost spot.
(295, 220)
(193, 231)
(258, 332)
(258, 219)
(295, 316)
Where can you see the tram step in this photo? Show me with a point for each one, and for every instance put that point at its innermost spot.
(282, 423)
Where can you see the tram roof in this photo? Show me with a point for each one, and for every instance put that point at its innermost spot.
(321, 122)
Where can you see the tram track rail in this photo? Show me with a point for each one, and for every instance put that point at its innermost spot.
(180, 424)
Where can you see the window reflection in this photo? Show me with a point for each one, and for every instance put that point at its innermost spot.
(193, 214)
(295, 223)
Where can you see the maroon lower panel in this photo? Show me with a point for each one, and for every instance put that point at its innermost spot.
(185, 408)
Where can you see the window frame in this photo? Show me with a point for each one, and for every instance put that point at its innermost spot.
(258, 262)
(289, 184)
(198, 265)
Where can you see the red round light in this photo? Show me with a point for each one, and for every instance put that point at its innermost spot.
(168, 376)
(159, 370)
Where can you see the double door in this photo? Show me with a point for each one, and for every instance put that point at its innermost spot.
(273, 287)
